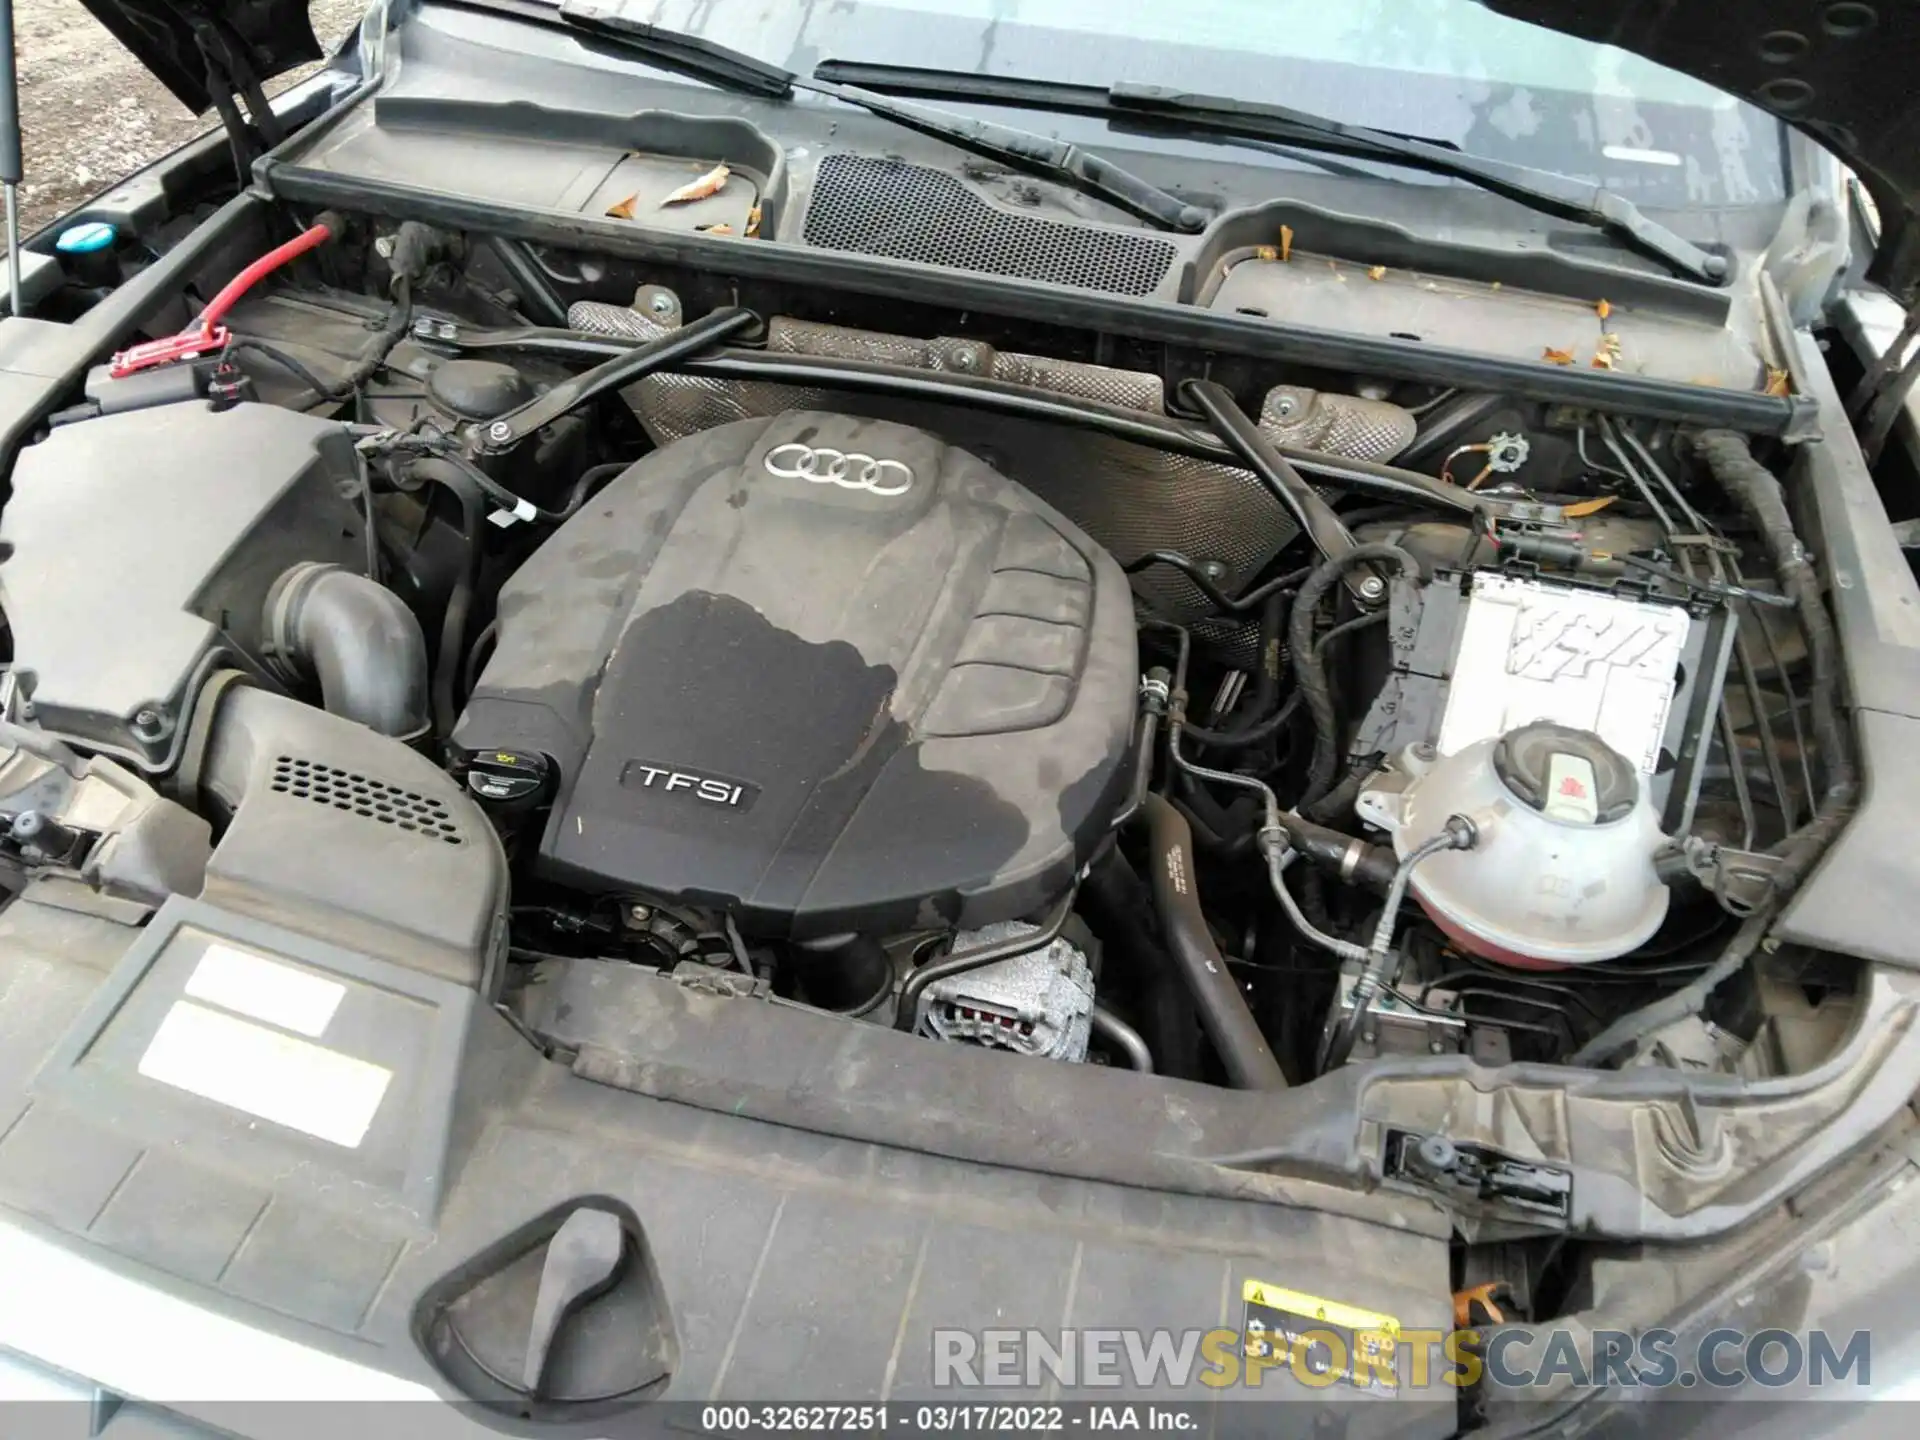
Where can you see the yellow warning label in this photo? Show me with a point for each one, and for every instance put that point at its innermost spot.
(1312, 1307)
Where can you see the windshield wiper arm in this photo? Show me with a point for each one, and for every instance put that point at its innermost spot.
(1218, 117)
(1041, 154)
(1565, 196)
(677, 50)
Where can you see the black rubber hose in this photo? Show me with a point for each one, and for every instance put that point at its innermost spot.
(1337, 803)
(1273, 618)
(1120, 911)
(453, 625)
(1223, 831)
(1254, 734)
(1752, 487)
(1218, 598)
(538, 299)
(1146, 739)
(357, 640)
(1223, 1011)
(1309, 666)
(1352, 860)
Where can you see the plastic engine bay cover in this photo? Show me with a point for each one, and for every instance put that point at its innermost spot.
(827, 670)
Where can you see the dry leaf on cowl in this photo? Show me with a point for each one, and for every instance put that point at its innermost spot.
(1286, 242)
(1265, 252)
(623, 209)
(753, 222)
(719, 228)
(1602, 309)
(1778, 384)
(1377, 272)
(1557, 357)
(710, 183)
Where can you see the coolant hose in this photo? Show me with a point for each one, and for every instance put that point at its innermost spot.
(453, 625)
(358, 640)
(1119, 909)
(1224, 1015)
(1309, 668)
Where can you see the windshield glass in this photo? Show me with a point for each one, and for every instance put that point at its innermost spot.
(1449, 70)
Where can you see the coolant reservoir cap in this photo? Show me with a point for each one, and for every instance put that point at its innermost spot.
(1568, 775)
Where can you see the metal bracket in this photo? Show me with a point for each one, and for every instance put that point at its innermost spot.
(1742, 879)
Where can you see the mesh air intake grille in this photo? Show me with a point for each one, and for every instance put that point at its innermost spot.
(362, 795)
(907, 212)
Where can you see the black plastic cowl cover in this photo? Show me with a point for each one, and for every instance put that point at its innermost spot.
(835, 696)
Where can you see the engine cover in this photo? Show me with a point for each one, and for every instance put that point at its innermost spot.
(828, 671)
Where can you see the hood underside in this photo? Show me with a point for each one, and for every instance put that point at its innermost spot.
(250, 40)
(1832, 70)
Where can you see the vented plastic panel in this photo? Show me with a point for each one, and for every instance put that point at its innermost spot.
(908, 212)
(363, 795)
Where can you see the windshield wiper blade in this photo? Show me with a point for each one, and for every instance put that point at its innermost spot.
(676, 50)
(1565, 196)
(1020, 92)
(1219, 117)
(1040, 154)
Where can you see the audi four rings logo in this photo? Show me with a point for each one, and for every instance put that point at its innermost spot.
(850, 470)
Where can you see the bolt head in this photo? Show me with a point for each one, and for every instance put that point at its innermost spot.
(638, 914)
(1285, 406)
(660, 303)
(1373, 587)
(383, 246)
(1214, 569)
(499, 430)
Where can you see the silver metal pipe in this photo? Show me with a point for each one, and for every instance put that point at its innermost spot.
(1278, 858)
(1124, 1038)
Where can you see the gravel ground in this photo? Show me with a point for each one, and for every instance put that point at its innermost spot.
(89, 112)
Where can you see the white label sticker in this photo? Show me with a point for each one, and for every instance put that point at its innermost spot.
(1570, 787)
(265, 1073)
(522, 510)
(250, 984)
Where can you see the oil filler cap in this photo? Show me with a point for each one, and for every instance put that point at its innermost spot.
(1568, 775)
(507, 778)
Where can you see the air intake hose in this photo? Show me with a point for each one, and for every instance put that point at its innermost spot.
(357, 640)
